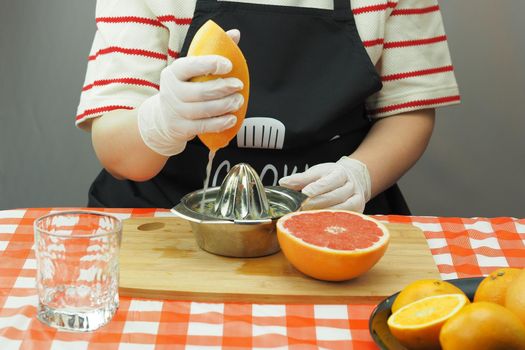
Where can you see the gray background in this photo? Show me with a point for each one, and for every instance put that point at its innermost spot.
(474, 166)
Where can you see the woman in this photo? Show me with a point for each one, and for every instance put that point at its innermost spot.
(348, 90)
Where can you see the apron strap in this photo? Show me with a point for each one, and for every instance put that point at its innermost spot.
(342, 10)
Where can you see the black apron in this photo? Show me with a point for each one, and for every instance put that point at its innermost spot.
(310, 76)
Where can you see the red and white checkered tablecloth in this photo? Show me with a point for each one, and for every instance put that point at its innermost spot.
(461, 248)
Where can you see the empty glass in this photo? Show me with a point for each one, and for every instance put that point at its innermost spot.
(77, 269)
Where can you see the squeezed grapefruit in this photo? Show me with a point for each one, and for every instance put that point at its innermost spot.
(211, 39)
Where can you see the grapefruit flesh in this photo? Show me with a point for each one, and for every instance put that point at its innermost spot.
(332, 245)
(211, 39)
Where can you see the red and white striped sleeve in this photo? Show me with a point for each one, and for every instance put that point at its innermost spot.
(129, 51)
(415, 64)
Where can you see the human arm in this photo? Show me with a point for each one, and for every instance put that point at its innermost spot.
(413, 60)
(120, 149)
(393, 146)
(135, 144)
(132, 72)
(390, 149)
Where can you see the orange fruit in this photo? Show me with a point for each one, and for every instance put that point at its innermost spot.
(515, 297)
(417, 325)
(421, 289)
(493, 288)
(483, 326)
(211, 39)
(332, 245)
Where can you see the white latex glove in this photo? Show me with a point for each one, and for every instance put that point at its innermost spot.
(341, 185)
(183, 109)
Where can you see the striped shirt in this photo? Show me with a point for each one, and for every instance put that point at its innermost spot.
(136, 39)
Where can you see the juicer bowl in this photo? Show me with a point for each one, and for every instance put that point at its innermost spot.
(237, 238)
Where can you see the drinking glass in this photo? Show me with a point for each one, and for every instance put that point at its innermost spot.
(77, 269)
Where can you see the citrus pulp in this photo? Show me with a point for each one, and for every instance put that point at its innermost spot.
(332, 245)
(421, 289)
(417, 325)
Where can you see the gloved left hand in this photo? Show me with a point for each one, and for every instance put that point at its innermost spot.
(344, 185)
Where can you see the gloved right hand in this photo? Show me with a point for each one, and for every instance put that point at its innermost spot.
(183, 109)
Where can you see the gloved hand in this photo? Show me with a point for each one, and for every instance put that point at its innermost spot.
(344, 184)
(183, 109)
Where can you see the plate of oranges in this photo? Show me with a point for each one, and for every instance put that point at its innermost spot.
(468, 313)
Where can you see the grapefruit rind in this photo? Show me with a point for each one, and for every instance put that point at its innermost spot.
(330, 264)
(211, 39)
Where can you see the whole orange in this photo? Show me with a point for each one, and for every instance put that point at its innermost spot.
(421, 289)
(483, 326)
(515, 297)
(493, 288)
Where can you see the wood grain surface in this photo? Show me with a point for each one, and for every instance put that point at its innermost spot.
(159, 259)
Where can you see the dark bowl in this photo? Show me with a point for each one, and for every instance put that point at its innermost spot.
(377, 324)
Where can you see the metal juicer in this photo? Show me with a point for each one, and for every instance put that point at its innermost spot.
(238, 218)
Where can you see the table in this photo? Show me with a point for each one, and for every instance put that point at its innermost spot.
(461, 247)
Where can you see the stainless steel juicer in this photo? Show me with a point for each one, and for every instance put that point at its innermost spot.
(238, 218)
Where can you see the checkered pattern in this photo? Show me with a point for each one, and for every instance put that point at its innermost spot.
(470, 247)
(461, 248)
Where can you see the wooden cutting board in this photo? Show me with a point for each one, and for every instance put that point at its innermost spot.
(159, 258)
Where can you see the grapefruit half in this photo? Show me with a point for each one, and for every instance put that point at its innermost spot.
(332, 245)
(211, 39)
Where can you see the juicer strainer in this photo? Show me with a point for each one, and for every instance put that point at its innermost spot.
(239, 217)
